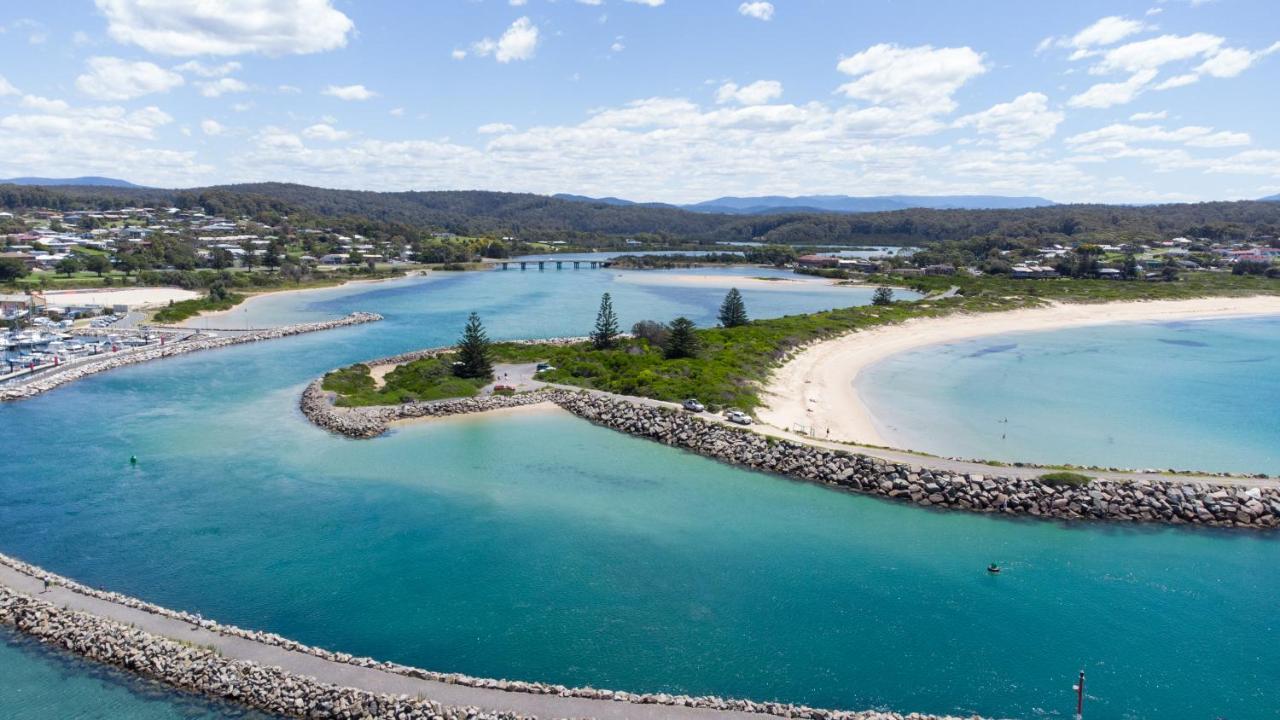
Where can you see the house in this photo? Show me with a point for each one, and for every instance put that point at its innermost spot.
(940, 270)
(859, 265)
(1022, 272)
(817, 261)
(28, 259)
(1110, 274)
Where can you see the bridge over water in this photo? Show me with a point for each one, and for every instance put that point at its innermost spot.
(560, 264)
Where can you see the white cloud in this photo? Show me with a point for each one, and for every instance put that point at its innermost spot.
(759, 10)
(54, 138)
(324, 131)
(111, 78)
(519, 42)
(1022, 123)
(617, 46)
(1119, 136)
(458, 54)
(195, 67)
(1146, 116)
(650, 3)
(42, 104)
(222, 86)
(227, 27)
(756, 93)
(211, 127)
(517, 3)
(1107, 31)
(495, 128)
(924, 77)
(1105, 95)
(349, 92)
(7, 88)
(1155, 52)
(396, 112)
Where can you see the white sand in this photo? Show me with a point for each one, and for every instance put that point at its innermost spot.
(198, 320)
(541, 408)
(816, 388)
(646, 277)
(133, 297)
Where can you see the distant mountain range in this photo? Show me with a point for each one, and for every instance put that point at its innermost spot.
(91, 180)
(776, 204)
(1270, 198)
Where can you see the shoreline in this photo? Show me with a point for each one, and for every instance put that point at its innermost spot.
(648, 277)
(817, 388)
(539, 408)
(257, 294)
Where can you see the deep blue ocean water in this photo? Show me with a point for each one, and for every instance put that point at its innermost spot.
(537, 546)
(1202, 395)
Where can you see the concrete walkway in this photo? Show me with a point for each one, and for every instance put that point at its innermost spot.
(346, 675)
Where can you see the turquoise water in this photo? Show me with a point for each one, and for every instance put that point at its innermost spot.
(537, 546)
(1189, 395)
(39, 683)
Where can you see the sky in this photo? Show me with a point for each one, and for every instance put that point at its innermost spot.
(652, 100)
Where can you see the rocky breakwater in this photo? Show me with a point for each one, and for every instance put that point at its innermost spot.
(367, 422)
(1162, 501)
(205, 671)
(53, 378)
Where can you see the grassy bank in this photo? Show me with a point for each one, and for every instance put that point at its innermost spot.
(420, 380)
(733, 363)
(178, 311)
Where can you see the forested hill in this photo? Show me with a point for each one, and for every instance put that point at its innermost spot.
(539, 217)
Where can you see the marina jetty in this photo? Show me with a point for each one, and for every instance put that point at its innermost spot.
(1163, 499)
(33, 385)
(268, 672)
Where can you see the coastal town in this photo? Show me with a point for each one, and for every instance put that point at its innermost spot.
(639, 360)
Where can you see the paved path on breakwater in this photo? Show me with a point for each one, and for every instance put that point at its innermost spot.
(347, 675)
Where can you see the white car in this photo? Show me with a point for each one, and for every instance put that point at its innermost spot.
(692, 405)
(737, 416)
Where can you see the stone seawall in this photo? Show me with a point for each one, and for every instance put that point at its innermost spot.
(1144, 500)
(274, 690)
(367, 422)
(204, 671)
(1163, 501)
(53, 378)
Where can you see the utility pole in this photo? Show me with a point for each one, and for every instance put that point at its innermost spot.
(1079, 688)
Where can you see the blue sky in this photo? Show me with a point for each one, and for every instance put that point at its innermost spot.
(671, 100)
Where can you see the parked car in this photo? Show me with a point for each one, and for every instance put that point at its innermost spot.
(692, 405)
(737, 416)
(543, 367)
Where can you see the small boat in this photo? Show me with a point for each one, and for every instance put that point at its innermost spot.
(994, 569)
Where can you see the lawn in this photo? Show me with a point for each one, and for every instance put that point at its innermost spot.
(420, 380)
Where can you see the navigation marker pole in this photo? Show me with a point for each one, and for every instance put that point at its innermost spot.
(1079, 688)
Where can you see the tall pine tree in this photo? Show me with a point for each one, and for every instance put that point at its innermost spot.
(473, 351)
(606, 332)
(682, 342)
(733, 311)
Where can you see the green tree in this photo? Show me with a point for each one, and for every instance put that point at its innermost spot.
(98, 264)
(68, 266)
(221, 259)
(882, 296)
(473, 351)
(1130, 268)
(733, 311)
(12, 269)
(682, 342)
(606, 331)
(248, 258)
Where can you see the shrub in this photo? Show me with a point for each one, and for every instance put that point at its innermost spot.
(1065, 478)
(883, 296)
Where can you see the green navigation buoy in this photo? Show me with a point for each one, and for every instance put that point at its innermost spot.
(133, 459)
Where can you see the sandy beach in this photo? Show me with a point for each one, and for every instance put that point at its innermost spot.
(133, 297)
(816, 388)
(644, 277)
(202, 318)
(541, 408)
